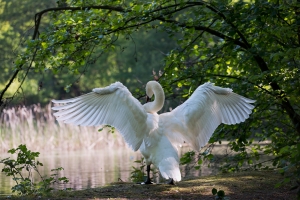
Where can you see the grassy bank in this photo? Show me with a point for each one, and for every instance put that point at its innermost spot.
(243, 185)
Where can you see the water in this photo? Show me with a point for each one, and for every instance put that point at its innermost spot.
(94, 168)
(84, 169)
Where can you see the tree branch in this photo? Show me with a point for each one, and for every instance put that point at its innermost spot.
(38, 17)
(37, 20)
(206, 29)
(295, 117)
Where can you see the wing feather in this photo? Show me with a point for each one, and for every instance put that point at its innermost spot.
(72, 99)
(68, 109)
(196, 119)
(81, 113)
(113, 105)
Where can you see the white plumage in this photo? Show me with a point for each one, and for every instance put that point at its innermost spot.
(156, 135)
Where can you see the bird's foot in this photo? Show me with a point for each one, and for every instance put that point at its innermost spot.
(148, 181)
(171, 182)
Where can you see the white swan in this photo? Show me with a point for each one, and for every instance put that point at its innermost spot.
(156, 135)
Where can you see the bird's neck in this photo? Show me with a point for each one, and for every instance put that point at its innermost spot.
(158, 103)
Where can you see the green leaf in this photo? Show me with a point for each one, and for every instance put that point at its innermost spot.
(221, 193)
(214, 191)
(284, 150)
(200, 161)
(44, 45)
(209, 156)
(197, 167)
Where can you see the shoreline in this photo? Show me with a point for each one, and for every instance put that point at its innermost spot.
(239, 185)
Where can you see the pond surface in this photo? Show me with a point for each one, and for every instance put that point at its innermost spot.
(88, 168)
(84, 169)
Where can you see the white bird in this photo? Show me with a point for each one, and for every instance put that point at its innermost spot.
(156, 136)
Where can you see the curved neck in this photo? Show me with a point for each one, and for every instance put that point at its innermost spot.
(155, 88)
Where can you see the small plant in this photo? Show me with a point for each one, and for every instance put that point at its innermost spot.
(138, 173)
(220, 195)
(191, 160)
(111, 129)
(24, 180)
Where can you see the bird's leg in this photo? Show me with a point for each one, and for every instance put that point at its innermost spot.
(148, 180)
(171, 181)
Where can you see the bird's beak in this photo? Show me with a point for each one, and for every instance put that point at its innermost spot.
(147, 99)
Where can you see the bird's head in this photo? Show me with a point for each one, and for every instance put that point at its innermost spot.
(149, 88)
(154, 88)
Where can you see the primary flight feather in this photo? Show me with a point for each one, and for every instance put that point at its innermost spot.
(155, 135)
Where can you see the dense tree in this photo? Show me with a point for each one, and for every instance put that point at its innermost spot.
(16, 26)
(252, 47)
(123, 63)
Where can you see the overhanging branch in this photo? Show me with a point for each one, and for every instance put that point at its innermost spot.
(38, 17)
(206, 29)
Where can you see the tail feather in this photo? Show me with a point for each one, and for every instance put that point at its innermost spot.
(169, 168)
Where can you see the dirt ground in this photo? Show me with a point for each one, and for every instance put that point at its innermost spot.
(240, 186)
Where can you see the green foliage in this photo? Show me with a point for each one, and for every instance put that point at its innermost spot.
(15, 29)
(196, 160)
(26, 161)
(138, 174)
(111, 128)
(219, 194)
(51, 75)
(187, 157)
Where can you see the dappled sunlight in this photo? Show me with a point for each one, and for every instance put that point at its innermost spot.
(234, 186)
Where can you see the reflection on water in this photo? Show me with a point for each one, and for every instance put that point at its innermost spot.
(89, 169)
(84, 169)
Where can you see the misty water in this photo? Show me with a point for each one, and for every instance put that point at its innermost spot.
(87, 168)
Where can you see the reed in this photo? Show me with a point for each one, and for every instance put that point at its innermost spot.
(36, 127)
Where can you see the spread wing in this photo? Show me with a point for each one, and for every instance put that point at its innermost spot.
(196, 119)
(113, 105)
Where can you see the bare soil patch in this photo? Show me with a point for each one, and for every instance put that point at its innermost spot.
(243, 185)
